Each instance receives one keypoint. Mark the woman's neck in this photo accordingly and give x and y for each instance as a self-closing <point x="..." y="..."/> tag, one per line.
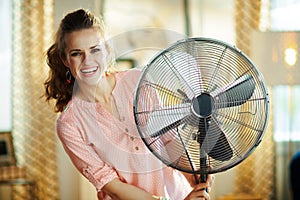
<point x="101" y="92"/>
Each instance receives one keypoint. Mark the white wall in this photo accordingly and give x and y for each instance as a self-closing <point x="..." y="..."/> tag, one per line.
<point x="6" y="65"/>
<point x="213" y="19"/>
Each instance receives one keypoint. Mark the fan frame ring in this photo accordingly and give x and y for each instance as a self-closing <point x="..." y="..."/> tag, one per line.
<point x="258" y="74"/>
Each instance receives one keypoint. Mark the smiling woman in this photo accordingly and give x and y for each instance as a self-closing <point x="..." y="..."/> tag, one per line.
<point x="80" y="57"/>
<point x="96" y="124"/>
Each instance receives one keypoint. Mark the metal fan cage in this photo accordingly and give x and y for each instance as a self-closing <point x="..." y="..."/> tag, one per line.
<point x="172" y="125"/>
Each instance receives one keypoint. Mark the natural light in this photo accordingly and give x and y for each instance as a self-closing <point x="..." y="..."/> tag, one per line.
<point x="286" y="98"/>
<point x="5" y="65"/>
<point x="283" y="15"/>
<point x="286" y="111"/>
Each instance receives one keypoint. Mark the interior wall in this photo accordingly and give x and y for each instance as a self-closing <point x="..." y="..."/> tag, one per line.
<point x="209" y="18"/>
<point x="213" y="19"/>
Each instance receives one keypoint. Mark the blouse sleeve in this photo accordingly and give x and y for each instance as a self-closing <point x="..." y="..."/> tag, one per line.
<point x="83" y="156"/>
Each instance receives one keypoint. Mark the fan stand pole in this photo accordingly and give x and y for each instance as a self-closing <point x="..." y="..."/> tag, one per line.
<point x="203" y="165"/>
<point x="203" y="162"/>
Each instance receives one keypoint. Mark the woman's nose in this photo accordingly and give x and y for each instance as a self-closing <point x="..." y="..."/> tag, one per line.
<point x="87" y="58"/>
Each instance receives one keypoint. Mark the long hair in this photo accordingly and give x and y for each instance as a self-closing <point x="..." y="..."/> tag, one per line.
<point x="56" y="86"/>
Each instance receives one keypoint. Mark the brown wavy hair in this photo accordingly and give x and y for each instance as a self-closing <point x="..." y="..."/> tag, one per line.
<point x="56" y="86"/>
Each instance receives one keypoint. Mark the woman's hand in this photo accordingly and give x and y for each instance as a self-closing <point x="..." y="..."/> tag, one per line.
<point x="201" y="190"/>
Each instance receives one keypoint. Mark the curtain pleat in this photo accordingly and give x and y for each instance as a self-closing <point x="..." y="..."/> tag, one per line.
<point x="255" y="175"/>
<point x="33" y="120"/>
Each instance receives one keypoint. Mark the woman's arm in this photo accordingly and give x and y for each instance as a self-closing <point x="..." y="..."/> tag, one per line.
<point x="123" y="191"/>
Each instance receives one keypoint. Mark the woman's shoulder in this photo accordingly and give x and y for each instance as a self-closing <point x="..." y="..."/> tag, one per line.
<point x="129" y="76"/>
<point x="73" y="114"/>
<point x="66" y="114"/>
<point x="73" y="107"/>
<point x="133" y="72"/>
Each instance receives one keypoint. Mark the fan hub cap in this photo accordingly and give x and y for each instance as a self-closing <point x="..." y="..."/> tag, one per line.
<point x="202" y="105"/>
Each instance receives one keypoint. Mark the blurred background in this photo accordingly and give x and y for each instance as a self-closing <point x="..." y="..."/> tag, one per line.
<point x="34" y="163"/>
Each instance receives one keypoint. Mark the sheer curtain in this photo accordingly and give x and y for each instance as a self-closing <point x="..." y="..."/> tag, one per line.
<point x="278" y="46"/>
<point x="286" y="133"/>
<point x="255" y="175"/>
<point x="33" y="121"/>
<point x="285" y="88"/>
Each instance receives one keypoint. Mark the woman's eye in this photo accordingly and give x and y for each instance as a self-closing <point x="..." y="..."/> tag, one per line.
<point x="74" y="54"/>
<point x="95" y="50"/>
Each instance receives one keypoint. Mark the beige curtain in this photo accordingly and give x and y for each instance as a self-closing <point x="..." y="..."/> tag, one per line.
<point x="33" y="120"/>
<point x="255" y="175"/>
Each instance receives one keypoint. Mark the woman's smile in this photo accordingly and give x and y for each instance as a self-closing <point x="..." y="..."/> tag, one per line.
<point x="89" y="71"/>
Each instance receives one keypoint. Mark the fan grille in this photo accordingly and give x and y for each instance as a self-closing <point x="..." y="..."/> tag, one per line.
<point x="201" y="106"/>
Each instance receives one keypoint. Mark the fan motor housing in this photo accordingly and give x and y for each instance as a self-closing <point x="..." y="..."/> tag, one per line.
<point x="202" y="105"/>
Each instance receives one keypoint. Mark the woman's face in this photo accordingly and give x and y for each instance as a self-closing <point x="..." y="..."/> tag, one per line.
<point x="86" y="55"/>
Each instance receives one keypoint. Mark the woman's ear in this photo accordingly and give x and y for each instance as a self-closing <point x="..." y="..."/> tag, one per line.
<point x="64" y="61"/>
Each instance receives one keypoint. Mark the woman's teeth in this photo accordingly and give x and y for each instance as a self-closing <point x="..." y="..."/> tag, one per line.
<point x="90" y="70"/>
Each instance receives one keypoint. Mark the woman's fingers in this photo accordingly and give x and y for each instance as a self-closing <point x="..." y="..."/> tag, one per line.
<point x="201" y="190"/>
<point x="210" y="181"/>
<point x="201" y="186"/>
<point x="199" y="193"/>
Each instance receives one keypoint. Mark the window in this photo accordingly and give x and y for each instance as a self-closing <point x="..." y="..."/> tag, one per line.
<point x="284" y="14"/>
<point x="286" y="112"/>
<point x="286" y="99"/>
<point x="5" y="64"/>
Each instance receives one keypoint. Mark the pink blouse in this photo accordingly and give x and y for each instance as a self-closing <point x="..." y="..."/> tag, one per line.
<point x="103" y="147"/>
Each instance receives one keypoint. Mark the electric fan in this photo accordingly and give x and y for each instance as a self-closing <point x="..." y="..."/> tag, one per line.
<point x="201" y="106"/>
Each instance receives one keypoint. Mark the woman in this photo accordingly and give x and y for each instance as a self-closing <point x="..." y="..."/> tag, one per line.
<point x="96" y="125"/>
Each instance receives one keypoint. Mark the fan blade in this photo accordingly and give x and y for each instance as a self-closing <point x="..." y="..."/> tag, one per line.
<point x="167" y="118"/>
<point x="188" y="72"/>
<point x="236" y="93"/>
<point x="214" y="142"/>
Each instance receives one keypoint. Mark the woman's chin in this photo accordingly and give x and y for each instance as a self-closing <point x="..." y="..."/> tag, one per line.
<point x="90" y="80"/>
